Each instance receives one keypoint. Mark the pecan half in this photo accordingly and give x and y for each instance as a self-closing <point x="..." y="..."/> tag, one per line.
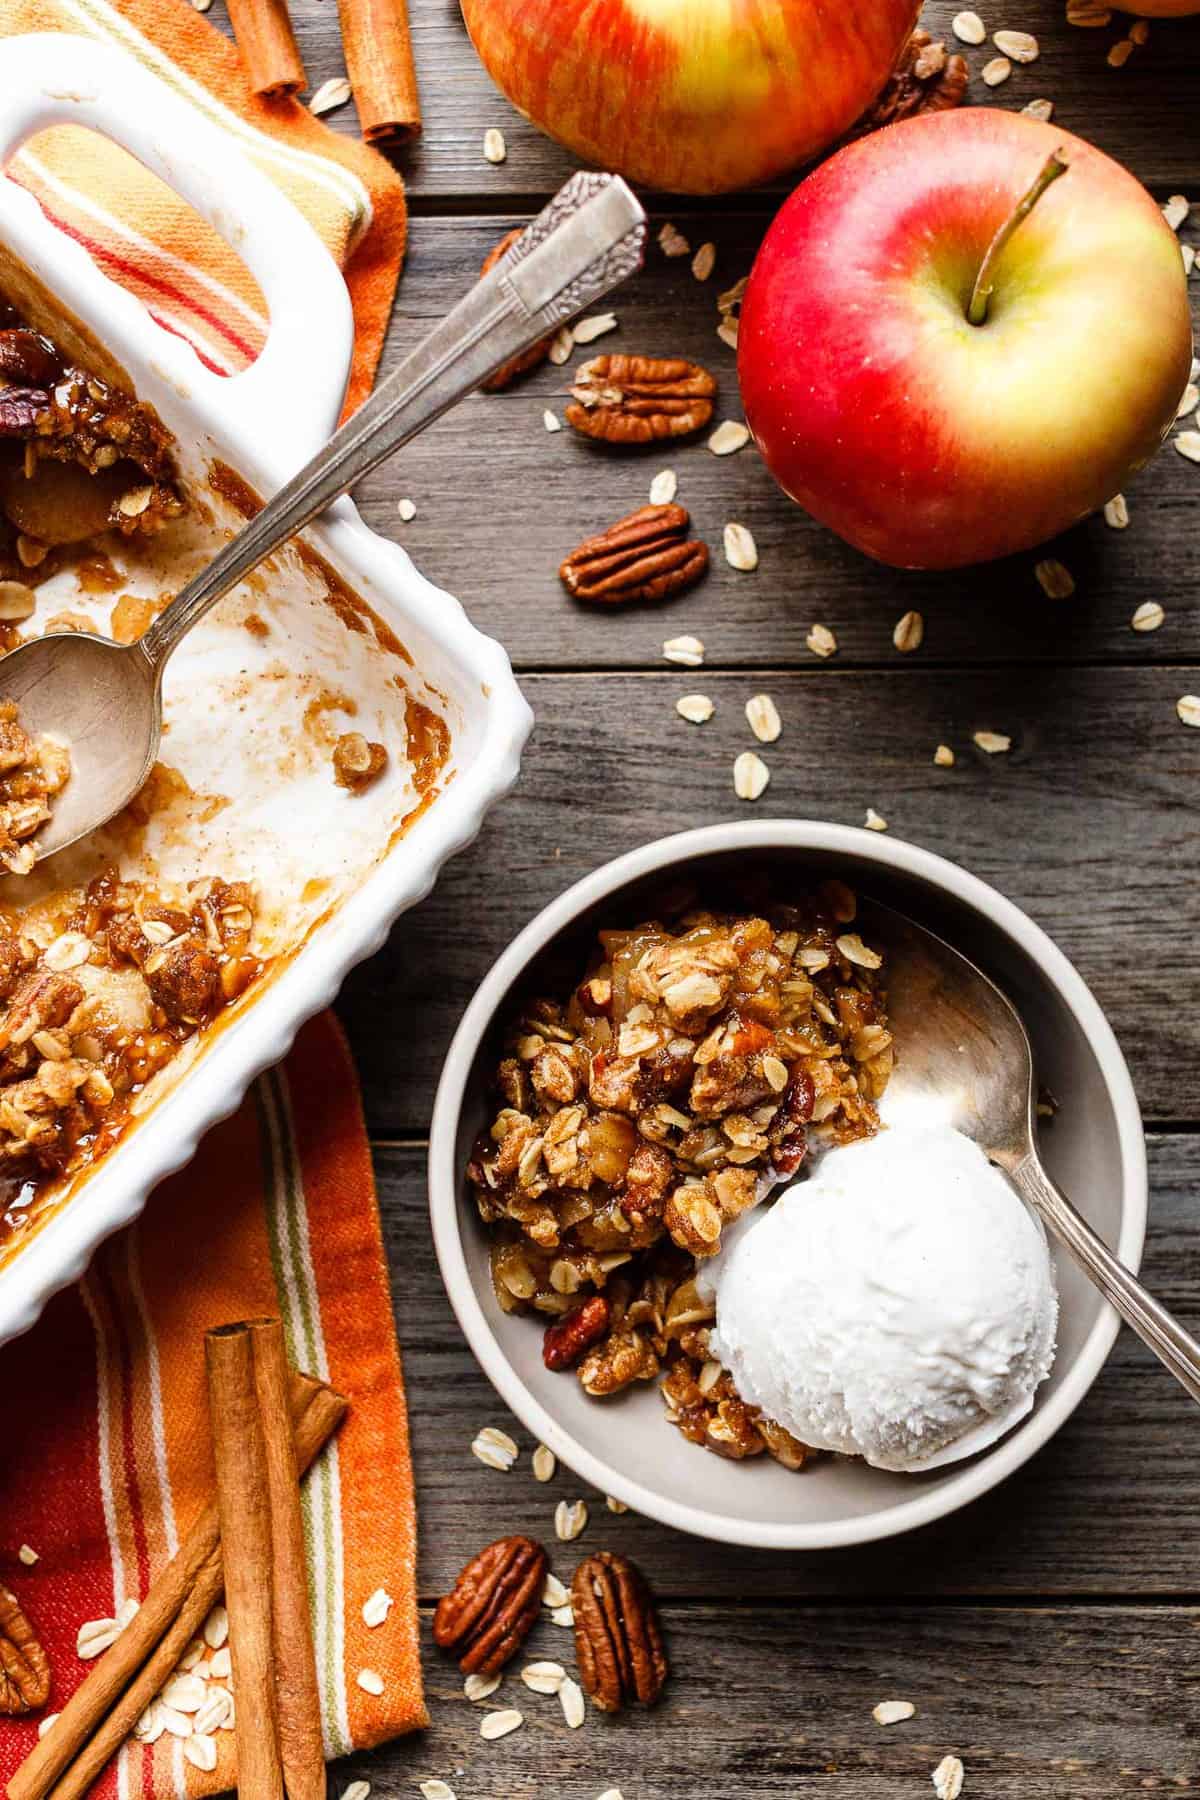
<point x="924" y="80"/>
<point x="27" y="357"/>
<point x="535" y="356"/>
<point x="618" y="1639"/>
<point x="20" y="410"/>
<point x="24" y="1666"/>
<point x="566" y="1340"/>
<point x="492" y="1607"/>
<point x="637" y="399"/>
<point x="645" y="556"/>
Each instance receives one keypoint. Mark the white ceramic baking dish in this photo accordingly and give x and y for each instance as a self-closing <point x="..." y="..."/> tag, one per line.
<point x="349" y="638"/>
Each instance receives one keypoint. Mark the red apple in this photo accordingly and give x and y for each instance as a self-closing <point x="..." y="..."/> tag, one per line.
<point x="696" y="96"/>
<point x="924" y="439"/>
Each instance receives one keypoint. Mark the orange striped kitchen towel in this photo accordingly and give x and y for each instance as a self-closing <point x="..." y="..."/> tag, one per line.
<point x="152" y="243"/>
<point x="106" y="1454"/>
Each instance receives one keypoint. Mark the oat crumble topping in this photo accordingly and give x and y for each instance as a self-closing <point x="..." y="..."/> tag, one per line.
<point x="32" y="771"/>
<point x="694" y="1064"/>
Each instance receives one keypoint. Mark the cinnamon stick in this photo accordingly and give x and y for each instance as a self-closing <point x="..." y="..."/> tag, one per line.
<point x="102" y="1712"/>
<point x="379" y="61"/>
<point x="264" y="36"/>
<point x="301" y="1747"/>
<point x="244" y="1503"/>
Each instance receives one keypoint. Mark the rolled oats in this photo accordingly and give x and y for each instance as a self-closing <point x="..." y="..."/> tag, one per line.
<point x="614" y="1505"/>
<point x="544" y="1461"/>
<point x="407" y="509"/>
<point x="495" y="1449"/>
<point x="1187" y="400"/>
<point x="664" y="488"/>
<point x="1116" y="513"/>
<point x="595" y="325"/>
<point x="202" y="1752"/>
<point x="909" y="633"/>
<point x="570" y="1519"/>
<point x="570" y="1696"/>
<point x="1054" y="578"/>
<point x="481" y="1687"/>
<point x="943" y="756"/>
<point x="947" y="1778"/>
<point x="1039" y="109"/>
<point x="437" y="1790"/>
<point x="1188" y="708"/>
<point x="893" y="1712"/>
<point x="494" y="147"/>
<point x="750" y="776"/>
<point x="357" y="1790"/>
<point x="95" y="1637"/>
<point x="562" y="345"/>
<point x="1021" y="46"/>
<point x="969" y="28"/>
<point x="730" y="436"/>
<point x="28" y="1556"/>
<point x="543" y="1677"/>
<point x="704" y="261"/>
<point x="996" y="71"/>
<point x="1175" y="211"/>
<point x="564" y="1616"/>
<point x="697" y="709"/>
<point x="687" y="651"/>
<point x="1148" y="617"/>
<point x="762" y="716"/>
<point x="551" y="421"/>
<point x="499" y="1724"/>
<point x="875" y="821"/>
<point x="821" y="641"/>
<point x="554" y="1594"/>
<point x="370" y="1681"/>
<point x="741" y="552"/>
<point x="992" y="743"/>
<point x="331" y="94"/>
<point x="376" y="1608"/>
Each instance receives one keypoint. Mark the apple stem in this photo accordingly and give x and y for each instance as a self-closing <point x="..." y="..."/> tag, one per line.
<point x="985" y="281"/>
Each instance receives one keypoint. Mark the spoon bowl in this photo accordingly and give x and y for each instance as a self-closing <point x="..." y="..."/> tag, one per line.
<point x="104" y="701"/>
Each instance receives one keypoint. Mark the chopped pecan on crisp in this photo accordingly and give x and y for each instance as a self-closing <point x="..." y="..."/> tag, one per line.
<point x="26" y="358"/>
<point x="645" y="556"/>
<point x="566" y="1340"/>
<point x="183" y="978"/>
<point x="618" y="1638"/>
<point x="525" y="360"/>
<point x="356" y="762"/>
<point x="493" y="1605"/>
<point x="20" y="410"/>
<point x="925" y="79"/>
<point x="637" y="399"/>
<point x="24" y="1665"/>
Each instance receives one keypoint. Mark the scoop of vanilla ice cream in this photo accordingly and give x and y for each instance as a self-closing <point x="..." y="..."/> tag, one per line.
<point x="899" y="1305"/>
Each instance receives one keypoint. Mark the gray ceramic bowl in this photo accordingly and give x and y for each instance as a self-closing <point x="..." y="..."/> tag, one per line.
<point x="1094" y="1147"/>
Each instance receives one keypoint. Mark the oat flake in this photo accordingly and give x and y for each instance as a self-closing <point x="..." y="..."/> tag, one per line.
<point x="376" y="1607"/>
<point x="762" y="716"/>
<point x="821" y="641"/>
<point x="543" y="1677"/>
<point x="570" y="1696"/>
<point x="995" y="743"/>
<point x="1188" y="708"/>
<point x="331" y="94"/>
<point x="406" y="509"/>
<point x="27" y="1556"/>
<point x="494" y="147"/>
<point x="551" y="421"/>
<point x="969" y="28"/>
<point x="1148" y="617"/>
<point x="851" y="946"/>
<point x="499" y="1724"/>
<point x="875" y="821"/>
<point x="561" y="346"/>
<point x="697" y="709"/>
<point x="909" y="634"/>
<point x="943" y="756"/>
<point x="727" y="331"/>
<point x="1040" y="109"/>
<point x="614" y="1505"/>
<point x="731" y="435"/>
<point x="544" y="1463"/>
<point x="201" y="1752"/>
<point x="596" y="325"/>
<point x="1021" y="46"/>
<point x="741" y="552"/>
<point x="1116" y="513"/>
<point x="1175" y="211"/>
<point x="570" y="1518"/>
<point x="664" y="487"/>
<point x="893" y="1712"/>
<point x="996" y="71"/>
<point x="704" y="261"/>
<point x="553" y="1592"/>
<point x="1188" y="444"/>
<point x="480" y="1687"/>
<point x="688" y="651"/>
<point x="563" y="1615"/>
<point x="947" y="1778"/>
<point x="1187" y="400"/>
<point x="370" y="1681"/>
<point x="437" y="1790"/>
<point x="750" y="776"/>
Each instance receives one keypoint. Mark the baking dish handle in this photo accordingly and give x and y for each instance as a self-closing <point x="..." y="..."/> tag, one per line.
<point x="49" y="78"/>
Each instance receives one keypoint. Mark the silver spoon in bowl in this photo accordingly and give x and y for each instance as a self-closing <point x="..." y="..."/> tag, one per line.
<point x="104" y="700"/>
<point x="966" y="1054"/>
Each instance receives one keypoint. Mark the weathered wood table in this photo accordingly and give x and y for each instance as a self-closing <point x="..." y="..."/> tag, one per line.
<point x="1050" y="1634"/>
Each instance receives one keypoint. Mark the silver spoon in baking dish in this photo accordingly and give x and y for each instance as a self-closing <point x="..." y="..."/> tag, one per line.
<point x="104" y="700"/>
<point x="967" y="1059"/>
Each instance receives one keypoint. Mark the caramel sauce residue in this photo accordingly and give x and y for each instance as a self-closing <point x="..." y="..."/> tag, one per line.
<point x="98" y="575"/>
<point x="428" y="744"/>
<point x="256" y="626"/>
<point x="131" y="616"/>
<point x="329" y="700"/>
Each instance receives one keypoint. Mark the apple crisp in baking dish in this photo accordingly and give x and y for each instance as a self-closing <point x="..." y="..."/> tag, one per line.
<point x="299" y="744"/>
